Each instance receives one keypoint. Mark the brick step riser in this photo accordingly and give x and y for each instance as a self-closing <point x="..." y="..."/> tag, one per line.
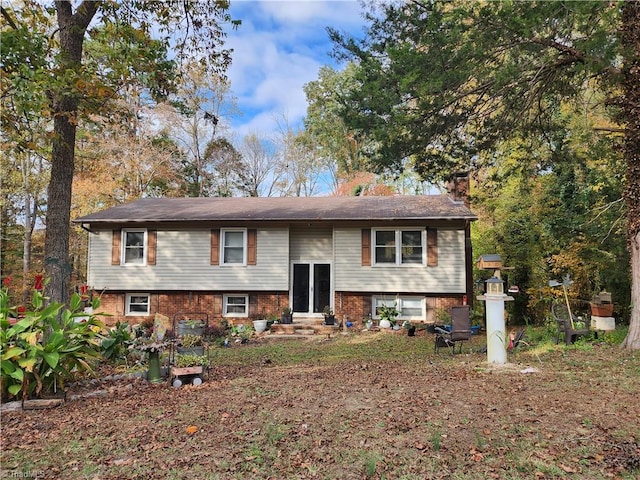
<point x="302" y="329"/>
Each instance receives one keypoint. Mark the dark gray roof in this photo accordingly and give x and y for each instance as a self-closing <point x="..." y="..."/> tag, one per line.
<point x="283" y="209"/>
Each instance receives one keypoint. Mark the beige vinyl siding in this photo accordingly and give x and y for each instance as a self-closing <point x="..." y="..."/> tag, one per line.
<point x="311" y="243"/>
<point x="183" y="263"/>
<point x="447" y="277"/>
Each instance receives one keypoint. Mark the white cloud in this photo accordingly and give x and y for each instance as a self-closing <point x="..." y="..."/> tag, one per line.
<point x="279" y="47"/>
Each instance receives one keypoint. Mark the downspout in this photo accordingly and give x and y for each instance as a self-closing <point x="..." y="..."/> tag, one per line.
<point x="87" y="229"/>
<point x="468" y="261"/>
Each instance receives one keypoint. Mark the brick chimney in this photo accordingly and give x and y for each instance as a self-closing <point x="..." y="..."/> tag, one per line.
<point x="458" y="187"/>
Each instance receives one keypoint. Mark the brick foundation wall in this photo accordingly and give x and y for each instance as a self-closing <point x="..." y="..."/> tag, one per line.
<point x="178" y="305"/>
<point x="356" y="306"/>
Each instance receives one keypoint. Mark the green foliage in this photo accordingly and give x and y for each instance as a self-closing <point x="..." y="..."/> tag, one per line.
<point x="443" y="316"/>
<point x="46" y="346"/>
<point x="324" y="126"/>
<point x="520" y="94"/>
<point x="190" y="360"/>
<point x="115" y="345"/>
<point x="188" y="341"/>
<point x="69" y="61"/>
<point x="388" y="312"/>
<point x="241" y="331"/>
<point x="443" y="81"/>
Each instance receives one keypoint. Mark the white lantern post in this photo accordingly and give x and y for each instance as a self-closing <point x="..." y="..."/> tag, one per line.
<point x="494" y="298"/>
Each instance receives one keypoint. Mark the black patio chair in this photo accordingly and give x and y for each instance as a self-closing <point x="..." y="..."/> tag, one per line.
<point x="569" y="326"/>
<point x="460" y="329"/>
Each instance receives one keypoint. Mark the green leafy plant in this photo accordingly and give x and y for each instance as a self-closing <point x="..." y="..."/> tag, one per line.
<point x="115" y="345"/>
<point x="443" y="316"/>
<point x="191" y="360"/>
<point x="188" y="341"/>
<point x="242" y="331"/>
<point x="46" y="346"/>
<point x="194" y="323"/>
<point x="390" y="313"/>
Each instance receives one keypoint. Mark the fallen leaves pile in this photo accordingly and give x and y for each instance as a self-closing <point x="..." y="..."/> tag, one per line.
<point x="449" y="418"/>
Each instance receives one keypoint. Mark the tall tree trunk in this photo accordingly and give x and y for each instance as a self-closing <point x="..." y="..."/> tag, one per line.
<point x="29" y="220"/>
<point x="64" y="103"/>
<point x="631" y="111"/>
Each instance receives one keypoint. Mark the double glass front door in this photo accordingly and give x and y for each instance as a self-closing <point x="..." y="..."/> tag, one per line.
<point x="311" y="287"/>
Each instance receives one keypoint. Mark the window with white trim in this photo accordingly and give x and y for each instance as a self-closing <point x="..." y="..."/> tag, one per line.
<point x="410" y="308"/>
<point x="234" y="247"/>
<point x="134" y="247"/>
<point x="137" y="304"/>
<point x="236" y="305"/>
<point x="398" y="247"/>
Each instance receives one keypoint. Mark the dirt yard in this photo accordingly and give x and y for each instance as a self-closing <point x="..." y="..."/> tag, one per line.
<point x="373" y="406"/>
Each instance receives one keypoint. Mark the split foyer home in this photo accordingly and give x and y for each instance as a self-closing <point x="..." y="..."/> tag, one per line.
<point x="246" y="258"/>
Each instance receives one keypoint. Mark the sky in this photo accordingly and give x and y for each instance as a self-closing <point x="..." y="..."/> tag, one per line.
<point x="279" y="47"/>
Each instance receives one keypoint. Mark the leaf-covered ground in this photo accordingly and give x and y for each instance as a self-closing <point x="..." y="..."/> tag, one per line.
<point x="378" y="406"/>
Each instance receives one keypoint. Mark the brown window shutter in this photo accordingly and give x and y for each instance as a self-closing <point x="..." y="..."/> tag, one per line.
<point x="366" y="247"/>
<point x="252" y="246"/>
<point x="215" y="246"/>
<point x="152" y="238"/>
<point x="432" y="247"/>
<point x="116" y="238"/>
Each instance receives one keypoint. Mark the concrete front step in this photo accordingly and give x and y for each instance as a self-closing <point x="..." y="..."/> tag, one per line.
<point x="306" y="326"/>
<point x="308" y="321"/>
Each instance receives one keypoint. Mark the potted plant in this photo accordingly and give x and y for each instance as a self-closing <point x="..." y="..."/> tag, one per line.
<point x="191" y="366"/>
<point x="190" y="344"/>
<point x="152" y="347"/>
<point x="329" y="317"/>
<point x="260" y="325"/>
<point x="387" y="316"/>
<point x="287" y="315"/>
<point x="191" y="327"/>
<point x="191" y="360"/>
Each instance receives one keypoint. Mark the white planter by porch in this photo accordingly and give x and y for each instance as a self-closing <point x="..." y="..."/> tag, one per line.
<point x="260" y="325"/>
<point x="385" y="324"/>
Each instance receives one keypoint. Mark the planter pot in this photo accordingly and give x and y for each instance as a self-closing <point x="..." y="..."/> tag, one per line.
<point x="195" y="370"/>
<point x="187" y="327"/>
<point x="369" y="324"/>
<point x="260" y="325"/>
<point x="396" y="327"/>
<point x="602" y="310"/>
<point x="154" y="375"/>
<point x="411" y="331"/>
<point x="385" y="324"/>
<point x="286" y="318"/>
<point x="191" y="350"/>
<point x="475" y="330"/>
<point x="329" y="319"/>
